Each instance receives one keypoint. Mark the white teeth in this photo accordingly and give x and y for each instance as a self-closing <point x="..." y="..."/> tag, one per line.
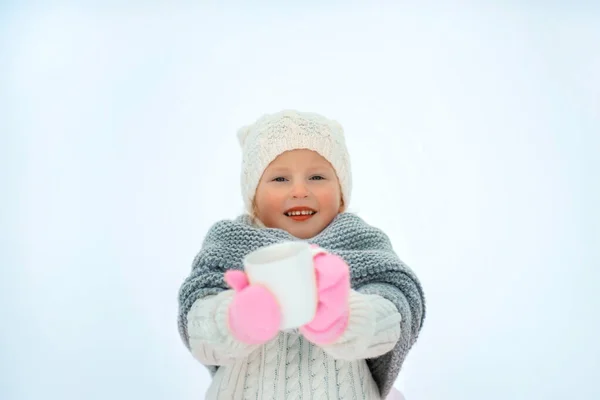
<point x="304" y="212"/>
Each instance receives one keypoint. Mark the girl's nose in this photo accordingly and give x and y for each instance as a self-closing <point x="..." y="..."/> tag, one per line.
<point x="299" y="191"/>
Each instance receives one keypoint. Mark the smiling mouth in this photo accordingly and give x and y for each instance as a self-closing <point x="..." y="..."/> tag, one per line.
<point x="300" y="213"/>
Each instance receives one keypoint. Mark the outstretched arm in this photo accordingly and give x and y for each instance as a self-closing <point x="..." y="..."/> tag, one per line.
<point x="230" y="325"/>
<point x="210" y="338"/>
<point x="373" y="328"/>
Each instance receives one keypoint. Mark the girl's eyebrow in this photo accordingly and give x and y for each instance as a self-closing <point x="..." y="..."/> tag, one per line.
<point x="278" y="170"/>
<point x="318" y="167"/>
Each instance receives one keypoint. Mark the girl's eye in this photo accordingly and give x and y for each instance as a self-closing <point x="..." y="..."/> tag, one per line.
<point x="279" y="179"/>
<point x="317" y="177"/>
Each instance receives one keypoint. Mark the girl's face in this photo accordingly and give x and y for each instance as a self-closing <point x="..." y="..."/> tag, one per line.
<point x="298" y="192"/>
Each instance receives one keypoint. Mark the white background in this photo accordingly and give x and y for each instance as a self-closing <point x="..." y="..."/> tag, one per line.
<point x="475" y="139"/>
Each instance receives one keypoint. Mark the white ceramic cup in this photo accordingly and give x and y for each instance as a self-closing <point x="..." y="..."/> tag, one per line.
<point x="287" y="270"/>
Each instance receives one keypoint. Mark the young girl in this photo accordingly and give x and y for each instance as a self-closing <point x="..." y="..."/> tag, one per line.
<point x="296" y="184"/>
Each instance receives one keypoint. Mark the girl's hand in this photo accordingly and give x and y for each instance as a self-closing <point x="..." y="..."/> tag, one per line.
<point x="254" y="315"/>
<point x="333" y="285"/>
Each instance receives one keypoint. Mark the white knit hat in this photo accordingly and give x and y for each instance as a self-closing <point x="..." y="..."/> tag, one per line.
<point x="273" y="134"/>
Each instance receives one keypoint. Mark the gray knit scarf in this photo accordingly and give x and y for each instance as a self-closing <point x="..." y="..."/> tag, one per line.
<point x="375" y="269"/>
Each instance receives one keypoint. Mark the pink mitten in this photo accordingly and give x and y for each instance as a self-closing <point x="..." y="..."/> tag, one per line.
<point x="254" y="315"/>
<point x="333" y="285"/>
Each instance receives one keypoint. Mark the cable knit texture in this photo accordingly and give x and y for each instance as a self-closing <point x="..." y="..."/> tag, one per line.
<point x="273" y="134"/>
<point x="291" y="367"/>
<point x="371" y="350"/>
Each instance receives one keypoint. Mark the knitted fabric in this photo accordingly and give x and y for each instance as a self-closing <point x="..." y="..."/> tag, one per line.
<point x="374" y="266"/>
<point x="289" y="366"/>
<point x="273" y="134"/>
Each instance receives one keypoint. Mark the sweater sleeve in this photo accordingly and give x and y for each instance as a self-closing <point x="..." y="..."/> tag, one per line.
<point x="210" y="340"/>
<point x="373" y="328"/>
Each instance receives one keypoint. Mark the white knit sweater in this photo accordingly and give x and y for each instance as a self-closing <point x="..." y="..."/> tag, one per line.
<point x="289" y="366"/>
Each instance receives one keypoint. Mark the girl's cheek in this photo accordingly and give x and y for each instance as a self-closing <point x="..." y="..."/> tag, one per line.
<point x="328" y="196"/>
<point x="274" y="199"/>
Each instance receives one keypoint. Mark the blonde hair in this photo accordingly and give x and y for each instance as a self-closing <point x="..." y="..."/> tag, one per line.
<point x="254" y="213"/>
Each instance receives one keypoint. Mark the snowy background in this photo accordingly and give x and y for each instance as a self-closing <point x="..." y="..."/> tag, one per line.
<point x="475" y="140"/>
